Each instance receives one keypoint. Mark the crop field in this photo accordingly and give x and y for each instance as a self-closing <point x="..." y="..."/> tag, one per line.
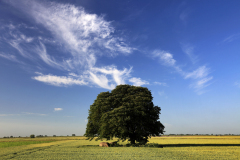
<point x="184" y="147"/>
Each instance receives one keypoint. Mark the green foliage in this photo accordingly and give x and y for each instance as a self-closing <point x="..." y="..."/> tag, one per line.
<point x="127" y="113"/>
<point x="32" y="136"/>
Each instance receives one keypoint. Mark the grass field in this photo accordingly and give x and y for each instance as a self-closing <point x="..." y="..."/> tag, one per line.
<point x="185" y="147"/>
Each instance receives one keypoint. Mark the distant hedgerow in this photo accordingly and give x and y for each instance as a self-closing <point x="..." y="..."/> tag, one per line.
<point x="32" y="136"/>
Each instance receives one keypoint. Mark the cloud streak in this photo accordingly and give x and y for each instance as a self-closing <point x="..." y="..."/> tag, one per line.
<point x="59" y="80"/>
<point x="232" y="38"/>
<point x="58" y="109"/>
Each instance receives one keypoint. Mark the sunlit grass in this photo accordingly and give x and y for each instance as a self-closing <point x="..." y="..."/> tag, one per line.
<point x="11" y="144"/>
<point x="79" y="148"/>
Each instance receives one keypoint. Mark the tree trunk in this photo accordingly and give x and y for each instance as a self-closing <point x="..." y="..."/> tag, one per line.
<point x="132" y="141"/>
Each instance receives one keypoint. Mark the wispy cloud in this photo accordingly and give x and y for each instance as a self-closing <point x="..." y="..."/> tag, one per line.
<point x="118" y="76"/>
<point x="201" y="72"/>
<point x="161" y="93"/>
<point x="138" y="81"/>
<point x="41" y="51"/>
<point x="189" y="51"/>
<point x="38" y="114"/>
<point x="101" y="80"/>
<point x="58" y="109"/>
<point x="237" y="84"/>
<point x="59" y="80"/>
<point x="80" y="32"/>
<point x="200" y="75"/>
<point x="160" y="83"/>
<point x="9" y="57"/>
<point x="165" y="57"/>
<point x="232" y="38"/>
<point x="184" y="15"/>
<point x="82" y="37"/>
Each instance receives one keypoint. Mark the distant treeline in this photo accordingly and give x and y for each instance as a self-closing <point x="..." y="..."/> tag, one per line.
<point x="201" y="134"/>
<point x="33" y="136"/>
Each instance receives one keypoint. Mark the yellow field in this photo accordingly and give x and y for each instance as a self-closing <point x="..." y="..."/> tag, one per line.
<point x="79" y="148"/>
<point x="196" y="140"/>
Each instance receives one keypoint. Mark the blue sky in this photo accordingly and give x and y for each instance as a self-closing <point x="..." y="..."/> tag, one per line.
<point x="57" y="56"/>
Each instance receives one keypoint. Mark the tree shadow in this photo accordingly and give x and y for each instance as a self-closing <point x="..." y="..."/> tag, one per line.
<point x="197" y="145"/>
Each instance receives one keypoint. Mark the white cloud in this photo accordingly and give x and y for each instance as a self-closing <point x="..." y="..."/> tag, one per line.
<point x="138" y="81"/>
<point x="165" y="57"/>
<point x="58" y="109"/>
<point x="106" y="77"/>
<point x="117" y="75"/>
<point x="78" y="30"/>
<point x="201" y="72"/>
<point x="59" y="80"/>
<point x="101" y="80"/>
<point x="82" y="37"/>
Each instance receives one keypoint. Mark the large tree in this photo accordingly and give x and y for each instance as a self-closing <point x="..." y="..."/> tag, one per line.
<point x="127" y="113"/>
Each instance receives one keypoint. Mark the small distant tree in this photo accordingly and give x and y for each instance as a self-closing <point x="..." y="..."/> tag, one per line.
<point x="73" y="135"/>
<point x="54" y="135"/>
<point x="127" y="113"/>
<point x="32" y="136"/>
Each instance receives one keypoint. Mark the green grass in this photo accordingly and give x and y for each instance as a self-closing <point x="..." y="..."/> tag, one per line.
<point x="79" y="148"/>
<point x="11" y="144"/>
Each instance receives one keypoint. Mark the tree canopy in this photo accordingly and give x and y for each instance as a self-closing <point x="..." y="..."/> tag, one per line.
<point x="127" y="113"/>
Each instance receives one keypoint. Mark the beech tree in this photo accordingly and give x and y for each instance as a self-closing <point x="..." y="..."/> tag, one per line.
<point x="127" y="113"/>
